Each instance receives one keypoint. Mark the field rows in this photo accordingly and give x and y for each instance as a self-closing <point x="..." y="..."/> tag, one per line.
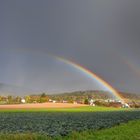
<point x="62" y="123"/>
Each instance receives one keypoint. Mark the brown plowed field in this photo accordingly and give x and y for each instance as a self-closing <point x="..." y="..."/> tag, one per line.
<point x="40" y="105"/>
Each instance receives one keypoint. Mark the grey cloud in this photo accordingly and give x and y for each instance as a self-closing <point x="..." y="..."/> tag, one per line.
<point x="95" y="34"/>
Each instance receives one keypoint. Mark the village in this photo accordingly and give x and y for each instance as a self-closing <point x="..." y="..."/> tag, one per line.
<point x="43" y="98"/>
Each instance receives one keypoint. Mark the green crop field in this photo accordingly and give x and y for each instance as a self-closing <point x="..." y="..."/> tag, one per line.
<point x="128" y="131"/>
<point x="64" y="123"/>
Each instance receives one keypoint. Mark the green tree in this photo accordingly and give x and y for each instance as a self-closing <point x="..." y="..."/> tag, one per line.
<point x="0" y="98"/>
<point x="43" y="95"/>
<point x="10" y="99"/>
<point x="18" y="99"/>
<point x="86" y="101"/>
<point x="27" y="99"/>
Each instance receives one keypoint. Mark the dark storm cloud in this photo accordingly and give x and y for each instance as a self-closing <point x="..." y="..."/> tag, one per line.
<point x="95" y="34"/>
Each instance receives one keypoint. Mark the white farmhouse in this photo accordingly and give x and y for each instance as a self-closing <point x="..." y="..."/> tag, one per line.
<point x="125" y="105"/>
<point x="91" y="102"/>
<point x="23" y="101"/>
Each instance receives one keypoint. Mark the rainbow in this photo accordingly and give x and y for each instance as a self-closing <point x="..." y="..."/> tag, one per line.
<point x="91" y="75"/>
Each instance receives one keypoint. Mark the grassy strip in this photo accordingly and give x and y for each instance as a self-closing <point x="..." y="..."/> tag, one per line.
<point x="129" y="131"/>
<point x="77" y="109"/>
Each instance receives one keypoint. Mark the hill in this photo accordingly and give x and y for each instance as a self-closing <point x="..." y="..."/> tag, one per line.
<point x="97" y="94"/>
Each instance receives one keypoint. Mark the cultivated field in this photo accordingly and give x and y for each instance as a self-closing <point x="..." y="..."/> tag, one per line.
<point x="56" y="107"/>
<point x="41" y="106"/>
<point x="126" y="131"/>
<point x="60" y="121"/>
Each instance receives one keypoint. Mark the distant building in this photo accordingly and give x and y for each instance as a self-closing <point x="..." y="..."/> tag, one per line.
<point x="64" y="101"/>
<point x="50" y="100"/>
<point x="23" y="101"/>
<point x="110" y="100"/>
<point x="91" y="102"/>
<point x="74" y="102"/>
<point x="54" y="101"/>
<point x="125" y="105"/>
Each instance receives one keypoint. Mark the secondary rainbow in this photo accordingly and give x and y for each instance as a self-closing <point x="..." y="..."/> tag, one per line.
<point x="92" y="75"/>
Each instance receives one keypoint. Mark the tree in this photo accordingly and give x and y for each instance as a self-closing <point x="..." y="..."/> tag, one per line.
<point x="10" y="99"/>
<point x="44" y="99"/>
<point x="27" y="99"/>
<point x="43" y="95"/>
<point x="0" y="98"/>
<point x="86" y="101"/>
<point x="18" y="99"/>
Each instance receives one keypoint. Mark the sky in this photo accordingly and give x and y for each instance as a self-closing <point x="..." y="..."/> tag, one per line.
<point x="101" y="35"/>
